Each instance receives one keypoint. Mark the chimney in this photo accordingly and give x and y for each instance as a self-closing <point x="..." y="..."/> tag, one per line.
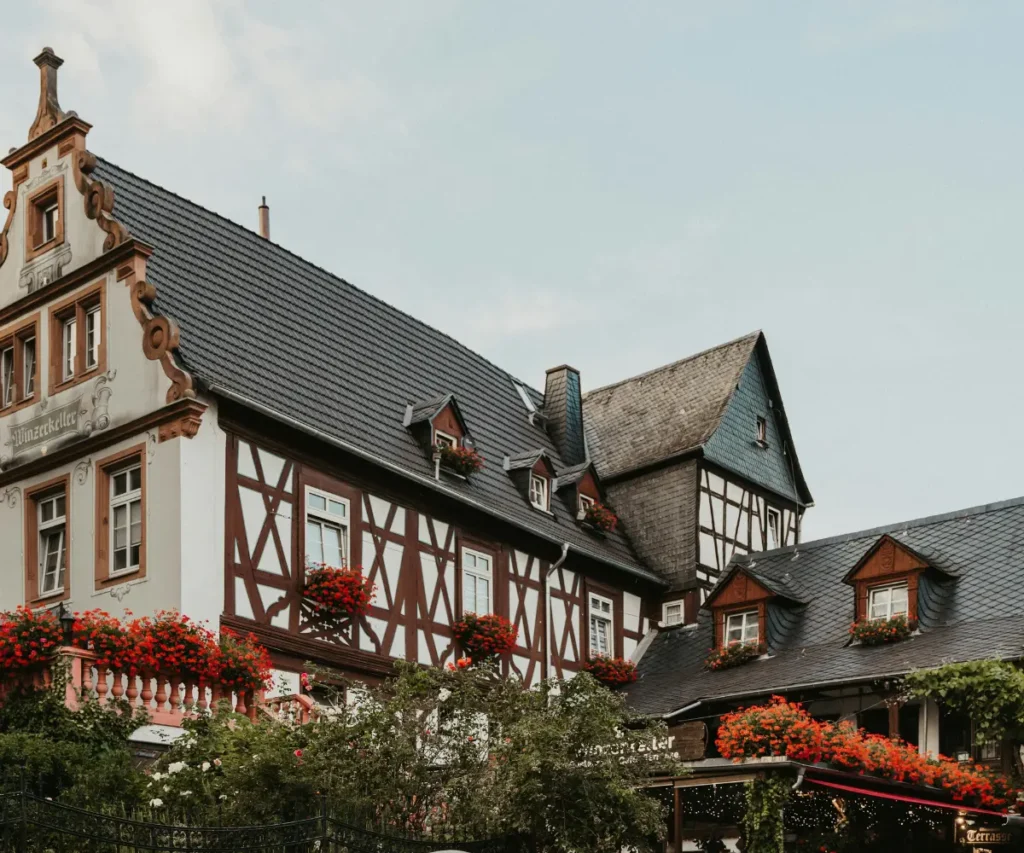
<point x="49" y="114"/>
<point x="264" y="220"/>
<point x="563" y="408"/>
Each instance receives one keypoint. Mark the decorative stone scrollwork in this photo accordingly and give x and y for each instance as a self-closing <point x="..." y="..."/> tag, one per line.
<point x="99" y="200"/>
<point x="82" y="471"/>
<point x="11" y="496"/>
<point x="10" y="202"/>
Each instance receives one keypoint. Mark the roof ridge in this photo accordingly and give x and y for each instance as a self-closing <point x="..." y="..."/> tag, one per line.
<point x="755" y="334"/>
<point x="924" y="521"/>
<point x="267" y="241"/>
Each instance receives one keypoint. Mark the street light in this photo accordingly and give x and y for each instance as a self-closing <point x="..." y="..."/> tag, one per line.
<point x="67" y="624"/>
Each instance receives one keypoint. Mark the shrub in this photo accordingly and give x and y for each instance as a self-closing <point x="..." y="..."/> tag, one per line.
<point x="485" y="636"/>
<point x="734" y="654"/>
<point x="875" y="632"/>
<point x="28" y="639"/>
<point x="338" y="593"/>
<point x="611" y="671"/>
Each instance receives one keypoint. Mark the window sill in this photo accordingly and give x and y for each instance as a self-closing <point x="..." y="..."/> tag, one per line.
<point x="545" y="511"/>
<point x="762" y="444"/>
<point x="65" y="384"/>
<point x="17" y="407"/>
<point x="57" y="594"/>
<point x="33" y="252"/>
<point x="118" y="579"/>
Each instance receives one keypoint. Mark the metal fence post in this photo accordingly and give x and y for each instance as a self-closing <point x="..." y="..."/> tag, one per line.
<point x="23" y="822"/>
<point x="324" y="848"/>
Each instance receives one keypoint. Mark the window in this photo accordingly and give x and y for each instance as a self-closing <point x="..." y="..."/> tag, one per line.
<point x="442" y="439"/>
<point x="585" y="501"/>
<point x="52" y="526"/>
<point x="121" y="517"/>
<point x="525" y="396"/>
<point x="762" y="430"/>
<point x="327" y="529"/>
<point x="45" y="219"/>
<point x="476" y="582"/>
<point x="18" y="367"/>
<point x="601" y="625"/>
<point x="77" y="324"/>
<point x="672" y="613"/>
<point x="887" y="601"/>
<point x="774" y="527"/>
<point x="126" y="518"/>
<point x="539" y="491"/>
<point x="742" y="628"/>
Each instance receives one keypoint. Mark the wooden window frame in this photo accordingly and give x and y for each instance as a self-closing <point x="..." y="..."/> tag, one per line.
<point x="773" y="531"/>
<point x="681" y="604"/>
<point x="104" y="577"/>
<point x="545" y="485"/>
<point x="878" y="587"/>
<point x="325" y="516"/>
<point x="742" y="613"/>
<point x="464" y="570"/>
<point x="33" y="598"/>
<point x="34" y="218"/>
<point x="16" y="336"/>
<point x="441" y="437"/>
<point x="722" y="614"/>
<point x="77" y="307"/>
<point x="591" y="595"/>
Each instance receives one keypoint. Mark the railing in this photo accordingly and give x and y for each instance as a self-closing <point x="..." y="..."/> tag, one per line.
<point x="167" y="700"/>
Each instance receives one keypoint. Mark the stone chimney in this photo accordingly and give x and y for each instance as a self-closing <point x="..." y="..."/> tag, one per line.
<point x="264" y="220"/>
<point x="563" y="409"/>
<point x="49" y="114"/>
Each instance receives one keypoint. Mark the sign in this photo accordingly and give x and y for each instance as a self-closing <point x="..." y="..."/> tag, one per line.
<point x="981" y="838"/>
<point x="49" y="427"/>
<point x="688" y="740"/>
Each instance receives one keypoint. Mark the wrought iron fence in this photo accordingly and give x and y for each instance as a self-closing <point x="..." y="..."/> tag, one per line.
<point x="33" y="824"/>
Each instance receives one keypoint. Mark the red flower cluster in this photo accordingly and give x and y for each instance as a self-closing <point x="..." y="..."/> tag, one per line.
<point x="875" y="632"/>
<point x="461" y="460"/>
<point x="105" y="635"/>
<point x="611" y="671"/>
<point x="599" y="516"/>
<point x="171" y="644"/>
<point x="461" y="663"/>
<point x="27" y="638"/>
<point x="733" y="655"/>
<point x="484" y="636"/>
<point x="338" y="593"/>
<point x="783" y="728"/>
<point x="240" y="663"/>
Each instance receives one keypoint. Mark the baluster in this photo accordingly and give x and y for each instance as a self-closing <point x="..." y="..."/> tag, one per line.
<point x="202" y="704"/>
<point x="175" y="696"/>
<point x="240" y="703"/>
<point x="188" y="705"/>
<point x="133" y="688"/>
<point x="161" y="693"/>
<point x="101" y="684"/>
<point x="147" y="690"/>
<point x="87" y="684"/>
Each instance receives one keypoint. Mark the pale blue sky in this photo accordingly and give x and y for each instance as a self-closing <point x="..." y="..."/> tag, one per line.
<point x="618" y="185"/>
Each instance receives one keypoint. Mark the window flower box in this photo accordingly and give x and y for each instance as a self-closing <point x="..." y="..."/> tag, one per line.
<point x="612" y="672"/>
<point x="734" y="654"/>
<point x="460" y="460"/>
<point x="486" y="636"/>
<point x="876" y="632"/>
<point x="240" y="663"/>
<point x="28" y="639"/>
<point x="338" y="593"/>
<point x="599" y="517"/>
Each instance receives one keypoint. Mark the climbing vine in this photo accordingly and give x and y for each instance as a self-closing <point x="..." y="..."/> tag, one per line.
<point x="763" y="821"/>
<point x="990" y="692"/>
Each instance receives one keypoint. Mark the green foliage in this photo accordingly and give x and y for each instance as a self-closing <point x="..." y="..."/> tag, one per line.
<point x="763" y="830"/>
<point x="990" y="692"/>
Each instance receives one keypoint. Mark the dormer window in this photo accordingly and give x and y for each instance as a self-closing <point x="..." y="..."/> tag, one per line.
<point x="539" y="491"/>
<point x="742" y="628"/>
<point x="672" y="613"/>
<point x="884" y="602"/>
<point x="762" y="431"/>
<point x="585" y="501"/>
<point x="442" y="439"/>
<point x="45" y="219"/>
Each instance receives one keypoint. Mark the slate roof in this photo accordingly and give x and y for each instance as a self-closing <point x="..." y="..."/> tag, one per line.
<point x="427" y="409"/>
<point x="679" y="408"/>
<point x="261" y="325"/>
<point x="975" y="614"/>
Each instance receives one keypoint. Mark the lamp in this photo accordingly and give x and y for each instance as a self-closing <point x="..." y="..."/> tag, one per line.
<point x="67" y="624"/>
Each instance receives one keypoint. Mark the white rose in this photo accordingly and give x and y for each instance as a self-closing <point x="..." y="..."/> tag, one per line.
<point x="156" y="803"/>
<point x="206" y="766"/>
<point x="176" y="767"/>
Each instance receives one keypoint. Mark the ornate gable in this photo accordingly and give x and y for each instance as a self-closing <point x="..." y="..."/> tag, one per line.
<point x="736" y="594"/>
<point x="885" y="563"/>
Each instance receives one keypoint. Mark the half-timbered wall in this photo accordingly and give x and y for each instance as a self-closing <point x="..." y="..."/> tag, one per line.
<point x="414" y="560"/>
<point x="735" y="519"/>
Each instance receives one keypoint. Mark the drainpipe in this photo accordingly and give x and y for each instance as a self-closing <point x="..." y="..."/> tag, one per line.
<point x="555" y="566"/>
<point x="799" y="779"/>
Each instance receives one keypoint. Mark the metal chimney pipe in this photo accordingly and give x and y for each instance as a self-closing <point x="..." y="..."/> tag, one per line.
<point x="264" y="220"/>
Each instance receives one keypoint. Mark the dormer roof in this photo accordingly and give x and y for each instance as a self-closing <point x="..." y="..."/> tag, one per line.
<point x="781" y="588"/>
<point x="527" y="459"/>
<point x="426" y="410"/>
<point x="901" y="558"/>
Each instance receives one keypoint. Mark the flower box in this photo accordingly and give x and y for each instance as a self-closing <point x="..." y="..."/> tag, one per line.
<point x="876" y="632"/>
<point x="599" y="517"/>
<point x="338" y="593"/>
<point x="485" y="636"/>
<point x="240" y="663"/>
<point x="28" y="639"/>
<point x="460" y="460"/>
<point x="732" y="655"/>
<point x="613" y="672"/>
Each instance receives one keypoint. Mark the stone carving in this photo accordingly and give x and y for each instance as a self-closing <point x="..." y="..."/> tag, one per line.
<point x="11" y="496"/>
<point x="82" y="471"/>
<point x="48" y="268"/>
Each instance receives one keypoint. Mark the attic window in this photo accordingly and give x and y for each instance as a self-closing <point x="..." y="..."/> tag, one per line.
<point x="45" y="219"/>
<point x="672" y="613"/>
<point x="442" y="439"/>
<point x="539" y="491"/>
<point x="884" y="602"/>
<point x="585" y="501"/>
<point x="774" y="528"/>
<point x="742" y="627"/>
<point x="527" y="401"/>
<point x="762" y="431"/>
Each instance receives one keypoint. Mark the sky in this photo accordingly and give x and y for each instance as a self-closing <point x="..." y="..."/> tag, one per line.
<point x="619" y="185"/>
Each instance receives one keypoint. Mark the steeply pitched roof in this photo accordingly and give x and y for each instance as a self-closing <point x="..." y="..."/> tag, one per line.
<point x="682" y="407"/>
<point x="264" y="326"/>
<point x="969" y="610"/>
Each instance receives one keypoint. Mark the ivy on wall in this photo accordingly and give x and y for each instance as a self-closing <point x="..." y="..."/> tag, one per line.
<point x="763" y="830"/>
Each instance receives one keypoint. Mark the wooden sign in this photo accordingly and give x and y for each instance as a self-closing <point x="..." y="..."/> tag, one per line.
<point x="688" y="740"/>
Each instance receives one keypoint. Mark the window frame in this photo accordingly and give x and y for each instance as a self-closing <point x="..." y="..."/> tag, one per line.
<point x="105" y="575"/>
<point x="608" y="617"/>
<point x="326" y="516"/>
<point x="127" y="499"/>
<point x="45" y="529"/>
<point x="761" y="430"/>
<point x="17" y="337"/>
<point x="545" y="488"/>
<point x="773" y="532"/>
<point x="38" y="202"/>
<point x="76" y="310"/>
<point x="34" y="495"/>
<point x="664" y="613"/>
<point x="442" y="437"/>
<point x="583" y="501"/>
<point x="743" y="615"/>
<point x="478" y="574"/>
<point x="886" y="587"/>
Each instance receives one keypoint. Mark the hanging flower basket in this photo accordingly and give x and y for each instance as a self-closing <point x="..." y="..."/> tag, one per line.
<point x="613" y="672"/>
<point x="485" y="636"/>
<point x="460" y="460"/>
<point x="600" y="517"/>
<point x="106" y="636"/>
<point x="734" y="654"/>
<point x="28" y="639"/>
<point x="338" y="593"/>
<point x="240" y="663"/>
<point x="876" y="632"/>
<point x="172" y="645"/>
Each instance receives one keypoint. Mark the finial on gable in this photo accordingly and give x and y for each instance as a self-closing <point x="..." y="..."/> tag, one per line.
<point x="49" y="113"/>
